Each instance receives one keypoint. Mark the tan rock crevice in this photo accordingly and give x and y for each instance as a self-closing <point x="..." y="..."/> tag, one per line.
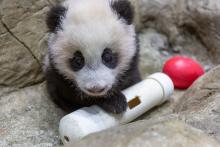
<point x="21" y="42"/>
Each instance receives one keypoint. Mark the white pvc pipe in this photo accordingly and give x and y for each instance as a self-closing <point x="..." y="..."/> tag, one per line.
<point x="141" y="97"/>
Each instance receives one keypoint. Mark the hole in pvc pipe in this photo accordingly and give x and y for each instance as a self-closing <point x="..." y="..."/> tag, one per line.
<point x="134" y="102"/>
<point x="66" y="139"/>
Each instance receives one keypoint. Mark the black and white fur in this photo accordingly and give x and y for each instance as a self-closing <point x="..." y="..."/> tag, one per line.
<point x="93" y="54"/>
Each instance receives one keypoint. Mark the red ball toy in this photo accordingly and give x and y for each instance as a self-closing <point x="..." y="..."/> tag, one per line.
<point x="183" y="71"/>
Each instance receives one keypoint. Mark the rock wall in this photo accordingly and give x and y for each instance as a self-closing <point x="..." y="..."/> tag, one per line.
<point x="200" y="104"/>
<point x="23" y="36"/>
<point x="175" y="18"/>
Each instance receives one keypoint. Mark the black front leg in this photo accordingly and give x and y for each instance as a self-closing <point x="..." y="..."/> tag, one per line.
<point x="114" y="103"/>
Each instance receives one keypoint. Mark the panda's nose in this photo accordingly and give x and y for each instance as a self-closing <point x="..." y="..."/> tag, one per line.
<point x="96" y="89"/>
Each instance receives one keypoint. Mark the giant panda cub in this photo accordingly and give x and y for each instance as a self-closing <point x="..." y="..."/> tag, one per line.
<point x="92" y="55"/>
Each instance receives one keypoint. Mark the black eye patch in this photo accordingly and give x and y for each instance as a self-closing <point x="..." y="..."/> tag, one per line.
<point x="77" y="62"/>
<point x="109" y="58"/>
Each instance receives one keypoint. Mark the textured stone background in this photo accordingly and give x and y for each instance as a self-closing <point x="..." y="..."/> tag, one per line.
<point x="165" y="28"/>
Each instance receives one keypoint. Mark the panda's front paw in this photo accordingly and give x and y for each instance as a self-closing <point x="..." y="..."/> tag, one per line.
<point x="116" y="103"/>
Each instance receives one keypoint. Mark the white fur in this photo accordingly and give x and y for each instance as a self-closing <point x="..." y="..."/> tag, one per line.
<point x="91" y="26"/>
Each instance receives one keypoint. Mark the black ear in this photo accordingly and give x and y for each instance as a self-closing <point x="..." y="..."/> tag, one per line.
<point x="54" y="17"/>
<point x="124" y="9"/>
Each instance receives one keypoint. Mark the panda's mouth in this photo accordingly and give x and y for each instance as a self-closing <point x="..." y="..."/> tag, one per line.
<point x="96" y="92"/>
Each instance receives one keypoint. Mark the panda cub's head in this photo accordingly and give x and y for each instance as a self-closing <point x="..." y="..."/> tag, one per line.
<point x="92" y="42"/>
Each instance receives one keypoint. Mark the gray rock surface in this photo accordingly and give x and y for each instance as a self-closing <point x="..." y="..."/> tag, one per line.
<point x="166" y="132"/>
<point x="28" y="118"/>
<point x="137" y="21"/>
<point x="180" y="18"/>
<point x="151" y="45"/>
<point x="200" y="105"/>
